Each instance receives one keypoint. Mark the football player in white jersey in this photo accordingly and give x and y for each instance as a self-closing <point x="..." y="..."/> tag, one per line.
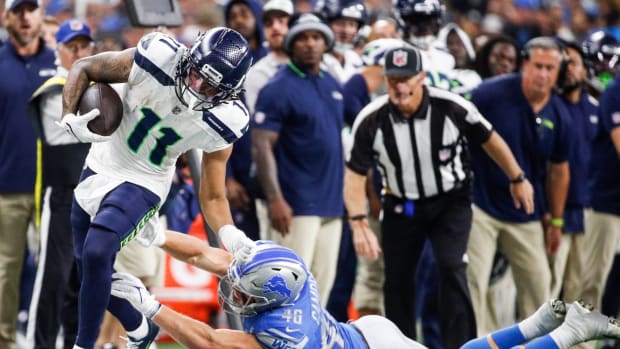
<point x="345" y="20"/>
<point x="420" y="20"/>
<point x="177" y="98"/>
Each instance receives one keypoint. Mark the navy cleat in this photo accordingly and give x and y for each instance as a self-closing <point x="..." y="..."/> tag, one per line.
<point x="146" y="341"/>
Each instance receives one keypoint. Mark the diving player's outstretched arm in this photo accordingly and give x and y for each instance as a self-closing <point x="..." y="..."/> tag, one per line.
<point x="186" y="331"/>
<point x="108" y="67"/>
<point x="196" y="252"/>
<point x="195" y="334"/>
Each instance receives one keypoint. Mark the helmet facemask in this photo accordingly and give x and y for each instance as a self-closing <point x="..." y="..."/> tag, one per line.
<point x="422" y="30"/>
<point x="233" y="299"/>
<point x="197" y="99"/>
<point x="213" y="70"/>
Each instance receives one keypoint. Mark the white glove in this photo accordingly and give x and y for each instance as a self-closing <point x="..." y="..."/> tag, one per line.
<point x="235" y="241"/>
<point x="130" y="288"/>
<point x="77" y="126"/>
<point x="152" y="236"/>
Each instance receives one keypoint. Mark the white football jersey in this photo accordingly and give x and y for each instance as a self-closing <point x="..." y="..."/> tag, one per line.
<point x="156" y="127"/>
<point x="438" y="65"/>
<point x="342" y="73"/>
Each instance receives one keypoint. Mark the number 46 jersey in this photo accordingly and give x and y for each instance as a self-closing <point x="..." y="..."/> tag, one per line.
<point x="304" y="324"/>
<point x="156" y="127"/>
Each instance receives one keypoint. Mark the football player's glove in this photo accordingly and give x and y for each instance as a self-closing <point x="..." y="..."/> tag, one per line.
<point x="77" y="126"/>
<point x="130" y="288"/>
<point x="237" y="243"/>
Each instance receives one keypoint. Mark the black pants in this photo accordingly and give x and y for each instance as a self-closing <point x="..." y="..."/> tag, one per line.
<point x="611" y="301"/>
<point x="446" y="221"/>
<point x="57" y="283"/>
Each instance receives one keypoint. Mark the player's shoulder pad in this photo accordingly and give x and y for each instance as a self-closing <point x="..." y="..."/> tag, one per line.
<point x="156" y="53"/>
<point x="231" y="120"/>
<point x="52" y="84"/>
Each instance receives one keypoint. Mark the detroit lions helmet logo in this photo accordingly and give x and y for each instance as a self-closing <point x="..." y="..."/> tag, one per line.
<point x="276" y="284"/>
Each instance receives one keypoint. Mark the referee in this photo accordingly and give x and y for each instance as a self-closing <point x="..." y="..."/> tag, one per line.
<point x="419" y="137"/>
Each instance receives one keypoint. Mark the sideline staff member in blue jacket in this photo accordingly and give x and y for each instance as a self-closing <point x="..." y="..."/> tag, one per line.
<point x="534" y="122"/>
<point x="298" y="150"/>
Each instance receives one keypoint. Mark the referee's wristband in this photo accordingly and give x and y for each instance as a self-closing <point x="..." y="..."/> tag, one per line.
<point x="357" y="217"/>
<point x="557" y="222"/>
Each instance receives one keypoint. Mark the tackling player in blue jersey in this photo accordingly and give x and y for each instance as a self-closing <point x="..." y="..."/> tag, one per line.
<point x="177" y="99"/>
<point x="271" y="288"/>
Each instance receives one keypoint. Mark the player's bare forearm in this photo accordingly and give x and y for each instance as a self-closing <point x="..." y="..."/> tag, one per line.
<point x="213" y="200"/>
<point x="354" y="192"/>
<point x="557" y="184"/>
<point x="194" y="334"/>
<point x="196" y="252"/>
<point x="108" y="67"/>
<point x="263" y="142"/>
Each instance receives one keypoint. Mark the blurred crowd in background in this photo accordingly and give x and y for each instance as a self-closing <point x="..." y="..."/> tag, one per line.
<point x="463" y="29"/>
<point x="521" y="19"/>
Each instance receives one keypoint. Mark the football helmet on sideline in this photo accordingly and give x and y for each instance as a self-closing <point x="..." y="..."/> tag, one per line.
<point x="420" y="20"/>
<point x="602" y="53"/>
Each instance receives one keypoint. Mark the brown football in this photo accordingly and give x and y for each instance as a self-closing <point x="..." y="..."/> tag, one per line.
<point x="103" y="97"/>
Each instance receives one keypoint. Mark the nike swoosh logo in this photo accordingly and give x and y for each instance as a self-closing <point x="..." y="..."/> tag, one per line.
<point x="289" y="330"/>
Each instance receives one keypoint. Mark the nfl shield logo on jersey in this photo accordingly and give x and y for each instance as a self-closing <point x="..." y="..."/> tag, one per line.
<point x="400" y="58"/>
<point x="445" y="155"/>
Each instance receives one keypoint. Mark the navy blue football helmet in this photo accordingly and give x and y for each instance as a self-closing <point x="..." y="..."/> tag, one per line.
<point x="273" y="277"/>
<point x="334" y="9"/>
<point x="602" y="53"/>
<point x="420" y="20"/>
<point x="221" y="57"/>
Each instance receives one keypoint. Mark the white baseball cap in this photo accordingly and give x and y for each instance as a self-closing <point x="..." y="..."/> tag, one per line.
<point x="285" y="6"/>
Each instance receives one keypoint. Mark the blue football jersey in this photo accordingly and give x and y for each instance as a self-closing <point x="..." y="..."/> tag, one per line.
<point x="304" y="324"/>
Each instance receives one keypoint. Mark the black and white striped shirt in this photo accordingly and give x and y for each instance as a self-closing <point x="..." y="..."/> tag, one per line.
<point x="424" y="155"/>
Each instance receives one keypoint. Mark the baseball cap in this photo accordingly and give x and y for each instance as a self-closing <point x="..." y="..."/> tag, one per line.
<point x="285" y="6"/>
<point x="10" y="5"/>
<point x="403" y="61"/>
<point x="71" y="28"/>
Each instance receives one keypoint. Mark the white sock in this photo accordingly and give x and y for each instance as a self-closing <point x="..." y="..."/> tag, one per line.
<point x="141" y="331"/>
<point x="549" y="316"/>
<point x="75" y="346"/>
<point x="566" y="337"/>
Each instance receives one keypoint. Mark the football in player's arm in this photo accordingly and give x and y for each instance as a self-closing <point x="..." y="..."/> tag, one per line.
<point x="114" y="67"/>
<point x="178" y="98"/>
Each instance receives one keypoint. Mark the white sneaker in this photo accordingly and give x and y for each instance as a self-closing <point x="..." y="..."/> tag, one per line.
<point x="588" y="324"/>
<point x="613" y="328"/>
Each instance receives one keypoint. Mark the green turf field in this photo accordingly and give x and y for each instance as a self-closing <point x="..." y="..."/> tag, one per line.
<point x="169" y="346"/>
